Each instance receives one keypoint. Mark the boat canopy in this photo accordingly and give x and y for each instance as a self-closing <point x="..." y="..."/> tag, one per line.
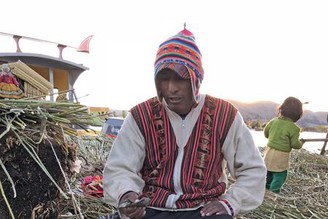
<point x="62" y="74"/>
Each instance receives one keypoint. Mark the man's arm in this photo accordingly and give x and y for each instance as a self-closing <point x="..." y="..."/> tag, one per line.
<point x="246" y="165"/>
<point x="124" y="163"/>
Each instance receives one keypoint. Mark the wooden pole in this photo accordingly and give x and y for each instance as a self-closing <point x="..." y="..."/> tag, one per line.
<point x="316" y="139"/>
<point x="323" y="149"/>
<point x="325" y="140"/>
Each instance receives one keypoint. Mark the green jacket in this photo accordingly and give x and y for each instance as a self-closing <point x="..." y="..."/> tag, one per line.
<point x="283" y="134"/>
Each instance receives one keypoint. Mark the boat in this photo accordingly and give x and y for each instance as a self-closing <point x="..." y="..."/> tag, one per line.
<point x="60" y="73"/>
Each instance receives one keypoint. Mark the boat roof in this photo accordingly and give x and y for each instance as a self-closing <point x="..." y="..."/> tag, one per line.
<point x="43" y="60"/>
<point x="54" y="69"/>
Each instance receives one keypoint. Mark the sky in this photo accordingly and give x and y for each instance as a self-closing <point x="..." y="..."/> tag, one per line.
<point x="252" y="50"/>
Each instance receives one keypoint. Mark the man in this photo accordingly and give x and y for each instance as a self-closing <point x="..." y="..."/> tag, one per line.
<point x="175" y="148"/>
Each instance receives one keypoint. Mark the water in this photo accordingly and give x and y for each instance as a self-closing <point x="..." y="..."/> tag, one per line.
<point x="314" y="147"/>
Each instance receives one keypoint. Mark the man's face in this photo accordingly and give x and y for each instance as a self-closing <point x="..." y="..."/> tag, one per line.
<point x="176" y="91"/>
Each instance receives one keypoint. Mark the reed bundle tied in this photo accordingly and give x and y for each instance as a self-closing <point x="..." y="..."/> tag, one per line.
<point x="32" y="140"/>
<point x="20" y="114"/>
<point x="24" y="72"/>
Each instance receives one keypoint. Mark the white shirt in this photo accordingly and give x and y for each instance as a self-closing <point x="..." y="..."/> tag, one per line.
<point x="241" y="158"/>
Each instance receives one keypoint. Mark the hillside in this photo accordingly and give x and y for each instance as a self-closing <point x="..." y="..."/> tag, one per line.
<point x="266" y="110"/>
<point x="263" y="111"/>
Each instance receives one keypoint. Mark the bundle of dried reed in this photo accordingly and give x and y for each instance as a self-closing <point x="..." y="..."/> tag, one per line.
<point x="35" y="155"/>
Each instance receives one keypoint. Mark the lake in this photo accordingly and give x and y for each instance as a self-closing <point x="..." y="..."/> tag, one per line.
<point x="314" y="147"/>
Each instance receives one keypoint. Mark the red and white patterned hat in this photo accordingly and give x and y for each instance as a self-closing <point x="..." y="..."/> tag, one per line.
<point x="181" y="54"/>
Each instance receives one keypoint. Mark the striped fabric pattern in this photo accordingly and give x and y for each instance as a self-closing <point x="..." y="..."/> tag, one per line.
<point x="181" y="50"/>
<point x="202" y="161"/>
<point x="180" y="69"/>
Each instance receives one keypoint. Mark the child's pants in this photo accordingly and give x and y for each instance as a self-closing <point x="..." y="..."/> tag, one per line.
<point x="275" y="180"/>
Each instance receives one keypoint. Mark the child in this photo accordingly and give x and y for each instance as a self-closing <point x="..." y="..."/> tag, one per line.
<point x="283" y="136"/>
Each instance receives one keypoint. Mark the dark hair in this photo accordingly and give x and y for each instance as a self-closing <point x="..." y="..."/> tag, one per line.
<point x="291" y="108"/>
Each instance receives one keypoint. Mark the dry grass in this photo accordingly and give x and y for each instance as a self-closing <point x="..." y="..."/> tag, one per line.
<point x="305" y="195"/>
<point x="93" y="152"/>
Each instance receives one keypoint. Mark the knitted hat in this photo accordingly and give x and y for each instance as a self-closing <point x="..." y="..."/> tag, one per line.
<point x="181" y="54"/>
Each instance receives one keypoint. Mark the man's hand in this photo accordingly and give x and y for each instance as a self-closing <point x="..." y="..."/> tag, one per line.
<point x="213" y="207"/>
<point x="133" y="212"/>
